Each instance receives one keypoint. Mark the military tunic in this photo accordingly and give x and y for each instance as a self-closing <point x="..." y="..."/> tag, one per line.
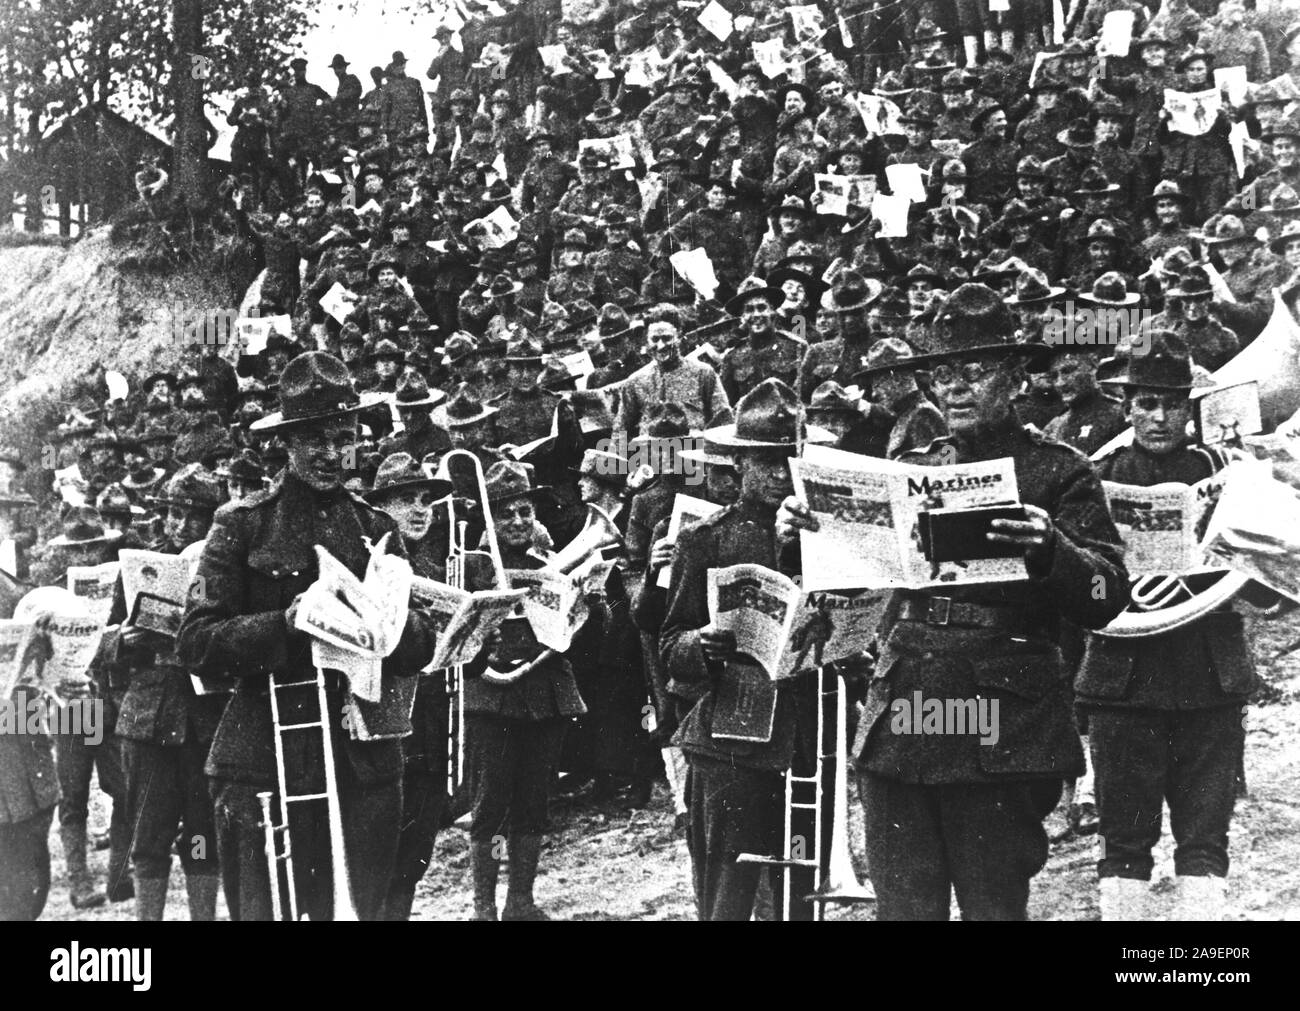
<point x="748" y="364"/>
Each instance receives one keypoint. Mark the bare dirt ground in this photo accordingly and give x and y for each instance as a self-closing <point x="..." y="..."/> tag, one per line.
<point x="602" y="863"/>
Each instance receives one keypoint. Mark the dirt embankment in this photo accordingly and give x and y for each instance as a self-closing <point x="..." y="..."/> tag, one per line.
<point x="68" y="314"/>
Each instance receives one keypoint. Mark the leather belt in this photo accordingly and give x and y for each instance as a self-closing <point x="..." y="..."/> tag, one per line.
<point x="944" y="611"/>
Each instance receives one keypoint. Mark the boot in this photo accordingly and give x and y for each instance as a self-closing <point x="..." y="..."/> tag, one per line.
<point x="484" y="869"/>
<point x="202" y="892"/>
<point x="972" y="46"/>
<point x="150" y="898"/>
<point x="525" y="851"/>
<point x="1123" y="899"/>
<point x="82" y="892"/>
<point x="1200" y="898"/>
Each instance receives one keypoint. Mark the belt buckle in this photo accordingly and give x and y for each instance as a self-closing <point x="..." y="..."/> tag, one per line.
<point x="938" y="610"/>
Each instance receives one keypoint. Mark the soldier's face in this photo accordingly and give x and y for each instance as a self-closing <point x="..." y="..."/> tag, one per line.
<point x="387" y="277"/>
<point x="1107" y="129"/>
<point x="1168" y="211"/>
<point x="160" y="393"/>
<point x="192" y="396"/>
<point x="717" y="198"/>
<point x="1159" y="418"/>
<point x="157" y="450"/>
<point x="401" y="235"/>
<point x="1099" y="253"/>
<point x="317" y="453"/>
<point x="756" y="316"/>
<point x="571" y="259"/>
<point x="795" y="296"/>
<point x="1154" y="56"/>
<point x="412" y="511"/>
<point x="1045" y="100"/>
<point x="1291" y="253"/>
<point x="184" y="526"/>
<point x="1031" y="187"/>
<point x="721" y="484"/>
<point x="1284" y="151"/>
<point x="665" y="342"/>
<point x="1195" y="309"/>
<point x="476" y="436"/>
<point x="121" y="522"/>
<point x="765" y="476"/>
<point x="794" y="102"/>
<point x="916" y="134"/>
<point x="1072" y="376"/>
<point x="514" y="523"/>
<point x="385" y="368"/>
<point x="522" y="376"/>
<point x="974" y="394"/>
<point x="315" y="203"/>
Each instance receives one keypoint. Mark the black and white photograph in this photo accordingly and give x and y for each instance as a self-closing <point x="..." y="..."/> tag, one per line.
<point x="515" y="460"/>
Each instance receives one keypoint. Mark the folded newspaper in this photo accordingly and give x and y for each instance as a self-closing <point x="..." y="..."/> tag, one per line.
<point x="1255" y="528"/>
<point x="94" y="584"/>
<point x="556" y="602"/>
<point x="785" y="629"/>
<point x="1163" y="525"/>
<point x="464" y="620"/>
<point x="870" y="510"/>
<point x="356" y="623"/>
<point x="156" y="588"/>
<point x="687" y="509"/>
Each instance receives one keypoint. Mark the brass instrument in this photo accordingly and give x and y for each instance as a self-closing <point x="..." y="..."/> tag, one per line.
<point x="279" y="844"/>
<point x="1161" y="603"/>
<point x="840" y="882"/>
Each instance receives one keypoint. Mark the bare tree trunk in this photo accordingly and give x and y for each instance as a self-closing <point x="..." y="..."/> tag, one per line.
<point x="190" y="182"/>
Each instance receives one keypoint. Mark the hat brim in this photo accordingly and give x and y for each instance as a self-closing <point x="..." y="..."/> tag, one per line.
<point x="1031" y="352"/>
<point x="775" y="297"/>
<point x="440" y="488"/>
<point x="276" y="421"/>
<point x="63" y="541"/>
<point x="434" y="397"/>
<point x="725" y="436"/>
<point x="484" y="413"/>
<point x="542" y="490"/>
<point x="1244" y="237"/>
<point x="1278" y="244"/>
<point x="1130" y="298"/>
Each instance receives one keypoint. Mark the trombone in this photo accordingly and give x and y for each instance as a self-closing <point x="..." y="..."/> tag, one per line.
<point x="457" y="553"/>
<point x="278" y="839"/>
<point x="839" y="883"/>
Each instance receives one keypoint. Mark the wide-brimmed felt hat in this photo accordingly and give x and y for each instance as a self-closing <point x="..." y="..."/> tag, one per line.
<point x="339" y="61"/>
<point x="1228" y="229"/>
<point x="1033" y="288"/>
<point x="813" y="286"/>
<point x="809" y="96"/>
<point x="386" y="348"/>
<point x="892" y="305"/>
<point x="1153" y="36"/>
<point x="751" y="288"/>
<point x="507" y="480"/>
<point x="1167" y="189"/>
<point x="1079" y="134"/>
<point x="245" y="467"/>
<point x="524" y="349"/>
<point x="667" y="420"/>
<point x="1095" y="183"/>
<point x="982" y="113"/>
<point x="852" y="292"/>
<point x="1104" y="230"/>
<point x="792" y="205"/>
<point x="884" y="355"/>
<point x="799" y="252"/>
<point x="767" y="417"/>
<point x="159" y="376"/>
<point x="973" y="321"/>
<point x="503" y="285"/>
<point x="401" y="472"/>
<point x="413" y="392"/>
<point x="574" y="238"/>
<point x="465" y="409"/>
<point x="603" y="111"/>
<point x="602" y="465"/>
<point x="115" y="500"/>
<point x="1193" y="55"/>
<point x="314" y="387"/>
<point x="1289" y="127"/>
<point x="82" y="526"/>
<point x="1030" y="167"/>
<point x="382" y="258"/>
<point x="1194" y="283"/>
<point x="1166" y="364"/>
<point x="831" y="398"/>
<point x="924" y="272"/>
<point x="1290" y="233"/>
<point x="892" y="85"/>
<point x="1282" y="200"/>
<point x="191" y="487"/>
<point x="1110" y="289"/>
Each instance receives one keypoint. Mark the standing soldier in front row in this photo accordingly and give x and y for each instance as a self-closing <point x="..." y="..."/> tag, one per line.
<point x="945" y="811"/>
<point x="258" y="560"/>
<point x="165" y="727"/>
<point x="734" y="786"/>
<point x="1165" y="711"/>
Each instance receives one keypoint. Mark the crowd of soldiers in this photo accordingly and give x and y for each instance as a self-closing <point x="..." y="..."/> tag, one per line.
<point x="1056" y="194"/>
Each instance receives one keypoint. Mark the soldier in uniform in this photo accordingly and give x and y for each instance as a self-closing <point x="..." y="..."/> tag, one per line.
<point x="946" y="810"/>
<point x="917" y="424"/>
<point x="419" y="435"/>
<point x="1210" y="343"/>
<point x="1165" y="711"/>
<point x="670" y="377"/>
<point x="166" y="728"/>
<point x="1235" y="251"/>
<point x="734" y="788"/>
<point x="257" y="561"/>
<point x="1091" y="418"/>
<point x="407" y="494"/>
<point x="843" y="355"/>
<point x="571" y="279"/>
<point x="29" y="790"/>
<point x="519" y="700"/>
<point x="527" y="411"/>
<point x="765" y="352"/>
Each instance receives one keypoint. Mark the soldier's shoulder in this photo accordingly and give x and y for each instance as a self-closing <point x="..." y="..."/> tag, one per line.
<point x="265" y="498"/>
<point x="1046" y="443"/>
<point x="792" y="338"/>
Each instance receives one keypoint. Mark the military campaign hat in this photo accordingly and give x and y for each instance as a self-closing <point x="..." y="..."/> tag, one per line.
<point x="401" y="472"/>
<point x="385" y="348"/>
<point x="1194" y="283"/>
<point x="767" y="417"/>
<point x="751" y="288"/>
<point x="832" y="398"/>
<point x="115" y="500"/>
<point x="1229" y="229"/>
<point x="602" y="465"/>
<point x="413" y="392"/>
<point x="885" y="355"/>
<point x="1033" y="288"/>
<point x="192" y="487"/>
<point x="244" y="467"/>
<point x="507" y="480"/>
<point x="1110" y="289"/>
<point x="82" y="526"/>
<point x="314" y="387"/>
<point x="1166" y="365"/>
<point x="851" y="292"/>
<point x="975" y="321"/>
<point x="813" y="286"/>
<point x="525" y="349"/>
<point x="465" y="409"/>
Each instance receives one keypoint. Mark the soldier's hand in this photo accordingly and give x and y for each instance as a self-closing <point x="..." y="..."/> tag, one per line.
<point x="718" y="646"/>
<point x="793" y="516"/>
<point x="1035" y="533"/>
<point x="662" y="553"/>
<point x="291" y="612"/>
